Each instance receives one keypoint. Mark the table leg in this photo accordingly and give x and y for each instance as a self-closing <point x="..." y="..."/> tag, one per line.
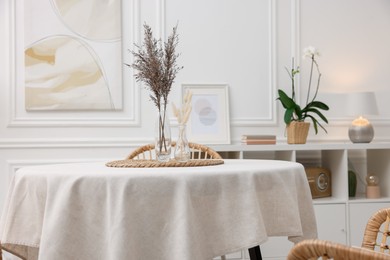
<point x="255" y="253"/>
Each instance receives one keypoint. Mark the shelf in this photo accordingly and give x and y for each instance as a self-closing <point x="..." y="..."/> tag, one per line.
<point x="283" y="146"/>
<point x="363" y="199"/>
<point x="335" y="156"/>
<point x="328" y="200"/>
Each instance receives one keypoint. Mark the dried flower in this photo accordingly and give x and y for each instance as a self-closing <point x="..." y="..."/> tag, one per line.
<point x="156" y="65"/>
<point x="184" y="112"/>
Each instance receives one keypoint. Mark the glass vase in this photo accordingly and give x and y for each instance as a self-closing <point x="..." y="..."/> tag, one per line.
<point x="163" y="137"/>
<point x="182" y="149"/>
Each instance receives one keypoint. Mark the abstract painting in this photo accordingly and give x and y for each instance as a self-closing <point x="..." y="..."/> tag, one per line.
<point x="72" y="55"/>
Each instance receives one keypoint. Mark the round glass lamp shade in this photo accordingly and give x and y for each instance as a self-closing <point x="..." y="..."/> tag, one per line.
<point x="361" y="131"/>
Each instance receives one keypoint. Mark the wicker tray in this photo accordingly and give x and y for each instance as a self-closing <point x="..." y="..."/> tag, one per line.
<point x="170" y="163"/>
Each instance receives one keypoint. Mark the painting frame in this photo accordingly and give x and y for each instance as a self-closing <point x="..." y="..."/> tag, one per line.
<point x="75" y="62"/>
<point x="18" y="116"/>
<point x="209" y="122"/>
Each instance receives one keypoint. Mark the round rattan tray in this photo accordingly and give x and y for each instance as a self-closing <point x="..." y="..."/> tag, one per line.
<point x="154" y="163"/>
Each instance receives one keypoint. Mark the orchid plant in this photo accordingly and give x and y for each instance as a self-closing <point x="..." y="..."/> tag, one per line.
<point x="312" y="107"/>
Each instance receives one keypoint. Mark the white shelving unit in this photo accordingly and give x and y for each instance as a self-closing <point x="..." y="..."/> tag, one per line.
<point x="339" y="218"/>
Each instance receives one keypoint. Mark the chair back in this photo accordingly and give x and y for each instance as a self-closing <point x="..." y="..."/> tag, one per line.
<point x="323" y="249"/>
<point x="198" y="151"/>
<point x="377" y="231"/>
<point x="375" y="236"/>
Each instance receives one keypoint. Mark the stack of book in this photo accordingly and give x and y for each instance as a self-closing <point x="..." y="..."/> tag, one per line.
<point x="258" y="139"/>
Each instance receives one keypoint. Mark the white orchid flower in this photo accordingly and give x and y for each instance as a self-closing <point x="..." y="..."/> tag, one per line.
<point x="310" y="52"/>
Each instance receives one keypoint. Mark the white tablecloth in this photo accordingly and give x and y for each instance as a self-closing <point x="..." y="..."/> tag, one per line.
<point x="90" y="211"/>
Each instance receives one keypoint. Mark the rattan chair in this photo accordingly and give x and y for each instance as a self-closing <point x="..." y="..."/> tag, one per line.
<point x="198" y="151"/>
<point x="322" y="249"/>
<point x="379" y="220"/>
<point x="377" y="228"/>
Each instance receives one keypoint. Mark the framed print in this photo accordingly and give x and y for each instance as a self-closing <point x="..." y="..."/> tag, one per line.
<point x="72" y="57"/>
<point x="71" y="72"/>
<point x="209" y="122"/>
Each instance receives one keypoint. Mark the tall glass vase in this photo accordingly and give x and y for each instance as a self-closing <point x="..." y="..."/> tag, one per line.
<point x="163" y="136"/>
<point x="182" y="149"/>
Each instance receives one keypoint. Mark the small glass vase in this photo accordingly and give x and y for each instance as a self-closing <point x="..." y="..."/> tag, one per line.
<point x="163" y="137"/>
<point x="182" y="148"/>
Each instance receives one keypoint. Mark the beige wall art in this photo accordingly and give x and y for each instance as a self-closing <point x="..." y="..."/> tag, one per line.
<point x="72" y="55"/>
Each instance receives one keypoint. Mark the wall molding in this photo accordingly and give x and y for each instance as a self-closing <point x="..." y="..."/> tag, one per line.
<point x="85" y="143"/>
<point x="295" y="39"/>
<point x="271" y="119"/>
<point x="124" y="117"/>
<point x="39" y="143"/>
<point x="295" y="52"/>
<point x="346" y="122"/>
<point x="160" y="18"/>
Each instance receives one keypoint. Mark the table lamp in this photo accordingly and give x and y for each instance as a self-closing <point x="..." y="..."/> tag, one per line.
<point x="359" y="104"/>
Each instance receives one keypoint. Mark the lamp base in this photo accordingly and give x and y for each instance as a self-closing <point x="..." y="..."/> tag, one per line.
<point x="373" y="192"/>
<point x="361" y="133"/>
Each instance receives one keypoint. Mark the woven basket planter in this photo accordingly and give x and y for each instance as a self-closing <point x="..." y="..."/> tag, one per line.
<point x="297" y="132"/>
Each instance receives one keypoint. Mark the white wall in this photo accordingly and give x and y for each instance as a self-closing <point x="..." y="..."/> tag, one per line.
<point x="245" y="44"/>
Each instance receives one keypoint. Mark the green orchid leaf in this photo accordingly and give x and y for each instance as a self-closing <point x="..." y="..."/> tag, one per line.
<point x="284" y="106"/>
<point x="323" y="128"/>
<point x="316" y="111"/>
<point x="299" y="112"/>
<point x="288" y="115"/>
<point x="286" y="101"/>
<point x="318" y="104"/>
<point x="316" y="124"/>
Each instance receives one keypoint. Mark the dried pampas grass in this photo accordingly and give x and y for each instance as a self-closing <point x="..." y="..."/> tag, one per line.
<point x="182" y="114"/>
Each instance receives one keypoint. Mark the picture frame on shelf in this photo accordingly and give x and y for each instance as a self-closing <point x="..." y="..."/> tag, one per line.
<point x="209" y="122"/>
